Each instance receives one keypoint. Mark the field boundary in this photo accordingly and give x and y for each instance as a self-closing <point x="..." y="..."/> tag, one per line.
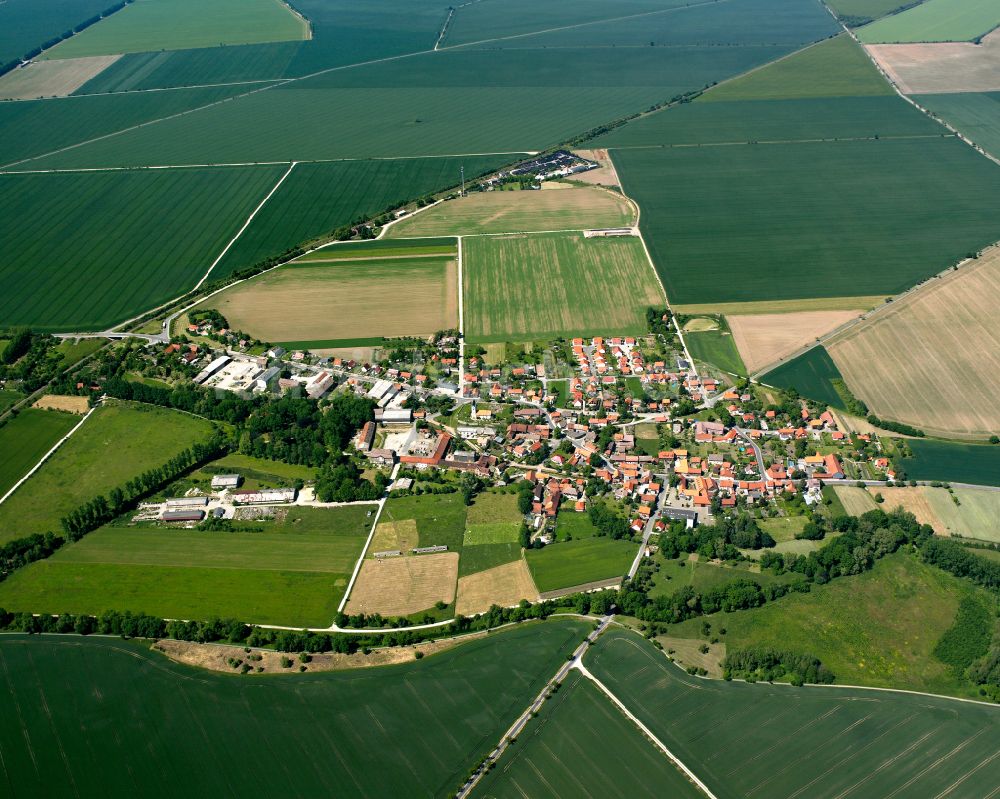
<point x="47" y="455"/>
<point x="595" y="585"/>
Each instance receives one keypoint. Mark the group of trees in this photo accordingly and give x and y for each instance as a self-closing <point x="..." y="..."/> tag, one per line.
<point x="341" y="481"/>
<point x="22" y="551"/>
<point x="962" y="562"/>
<point x="607" y="520"/>
<point x="721" y="540"/>
<point x="766" y="663"/>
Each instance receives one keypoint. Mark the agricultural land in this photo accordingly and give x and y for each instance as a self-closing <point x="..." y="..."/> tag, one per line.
<point x="944" y="67"/>
<point x="555" y="284"/>
<point x="461" y="701"/>
<point x="827" y="741"/>
<point x="901" y="359"/>
<point x="974" y="114"/>
<point x="763" y="339"/>
<point x="26" y="438"/>
<point x="935" y="21"/>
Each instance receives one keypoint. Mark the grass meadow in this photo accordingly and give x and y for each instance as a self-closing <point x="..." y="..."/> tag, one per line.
<point x="555" y="754"/>
<point x="316" y="199"/>
<point x="554" y="208"/>
<point x="935" y="21"/>
<point x="114" y="445"/>
<point x="716" y="347"/>
<point x="862" y="627"/>
<point x="26" y="438"/>
<point x="156" y="234"/>
<point x="973" y="516"/>
<point x="555" y="285"/>
<point x="580" y="561"/>
<point x="321" y="729"/>
<point x="293" y="573"/>
<point x="381" y="248"/>
<point x="775" y="740"/>
<point x="147" y="25"/>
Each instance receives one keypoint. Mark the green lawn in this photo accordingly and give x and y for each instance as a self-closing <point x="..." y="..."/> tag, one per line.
<point x="865" y="628"/>
<point x="297" y="734"/>
<point x="440" y="518"/>
<point x="737" y="223"/>
<point x="179" y="220"/>
<point x="292" y="573"/>
<point x="834" y="68"/>
<point x="935" y="21"/>
<point x="555" y="285"/>
<point x="115" y="444"/>
<point x="571" y="526"/>
<point x="783" y="528"/>
<point x="184" y="24"/>
<point x="7" y="396"/>
<point x="779" y="741"/>
<point x="25" y="439"/>
<point x="578" y="562"/>
<point x="718" y="348"/>
<point x="555" y="755"/>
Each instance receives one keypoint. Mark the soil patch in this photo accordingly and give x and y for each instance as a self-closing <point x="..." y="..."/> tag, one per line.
<point x="942" y="68"/>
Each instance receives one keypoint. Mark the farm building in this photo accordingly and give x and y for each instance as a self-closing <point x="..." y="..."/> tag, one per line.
<point x="211" y="369"/>
<point x="187" y="502"/>
<point x="192" y="515"/>
<point x="264" y="496"/>
<point x="225" y="481"/>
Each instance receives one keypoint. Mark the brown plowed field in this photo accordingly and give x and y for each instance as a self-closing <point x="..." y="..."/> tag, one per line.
<point x="943" y="67"/>
<point x="405" y="585"/>
<point x="504" y="585"/>
<point x="763" y="339"/>
<point x="933" y="359"/>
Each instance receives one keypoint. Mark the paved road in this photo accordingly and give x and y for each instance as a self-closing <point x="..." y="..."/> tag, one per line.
<point x="758" y="453"/>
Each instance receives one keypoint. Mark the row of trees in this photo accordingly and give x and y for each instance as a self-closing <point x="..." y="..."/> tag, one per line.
<point x="101" y="510"/>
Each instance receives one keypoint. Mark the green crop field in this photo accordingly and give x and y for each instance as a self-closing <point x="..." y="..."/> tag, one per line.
<point x="147" y="25"/>
<point x="555" y="754"/>
<point x="935" y="21"/>
<point x="862" y="627"/>
<point x="554" y="208"/>
<point x="716" y="347"/>
<point x="26" y="438"/>
<point x="978" y="464"/>
<point x="775" y="740"/>
<point x="316" y="199"/>
<point x="34" y="127"/>
<point x="156" y="234"/>
<point x="572" y="563"/>
<point x="24" y="25"/>
<point x="115" y="444"/>
<point x="834" y="68"/>
<point x="298" y="734"/>
<point x="809" y="219"/>
<point x="555" y="285"/>
<point x="810" y="374"/>
<point x="858" y="12"/>
<point x="293" y="573"/>
<point x="975" y="114"/>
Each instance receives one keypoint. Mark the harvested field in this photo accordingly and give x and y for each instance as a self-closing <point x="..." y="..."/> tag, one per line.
<point x="605" y="175"/>
<point x="56" y="402"/>
<point x="933" y="358"/>
<point x="943" y="67"/>
<point x="351" y="299"/>
<point x="763" y="339"/>
<point x="569" y="208"/>
<point x="559" y="284"/>
<point x="767" y="307"/>
<point x="914" y="500"/>
<point x="52" y="78"/>
<point x="855" y="500"/>
<point x="400" y="586"/>
<point x="390" y="536"/>
<point x="504" y="585"/>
